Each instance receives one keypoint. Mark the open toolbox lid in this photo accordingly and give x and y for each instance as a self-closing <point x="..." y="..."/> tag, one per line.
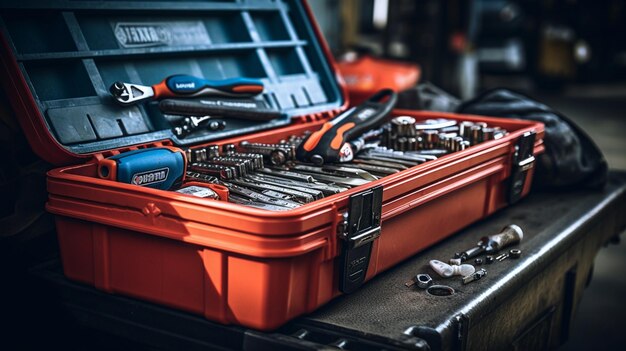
<point x="60" y="57"/>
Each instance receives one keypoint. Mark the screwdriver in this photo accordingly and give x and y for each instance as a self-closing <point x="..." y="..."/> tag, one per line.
<point x="511" y="234"/>
<point x="185" y="86"/>
<point x="331" y="142"/>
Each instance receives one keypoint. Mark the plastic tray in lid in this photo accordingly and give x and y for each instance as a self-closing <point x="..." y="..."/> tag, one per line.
<point x="61" y="57"/>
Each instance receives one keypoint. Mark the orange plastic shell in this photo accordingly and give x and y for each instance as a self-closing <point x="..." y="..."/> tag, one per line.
<point x="240" y="265"/>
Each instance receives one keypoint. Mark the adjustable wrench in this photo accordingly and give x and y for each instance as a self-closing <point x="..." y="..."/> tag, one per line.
<point x="185" y="86"/>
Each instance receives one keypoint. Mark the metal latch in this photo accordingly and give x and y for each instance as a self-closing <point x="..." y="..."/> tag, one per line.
<point x="523" y="160"/>
<point x="360" y="228"/>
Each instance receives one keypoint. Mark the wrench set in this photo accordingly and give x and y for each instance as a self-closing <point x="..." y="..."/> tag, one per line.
<point x="271" y="177"/>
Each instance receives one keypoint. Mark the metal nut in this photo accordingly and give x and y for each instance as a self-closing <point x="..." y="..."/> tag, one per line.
<point x="515" y="253"/>
<point x="423" y="280"/>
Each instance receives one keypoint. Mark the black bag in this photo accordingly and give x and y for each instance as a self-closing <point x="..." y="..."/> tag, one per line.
<point x="571" y="159"/>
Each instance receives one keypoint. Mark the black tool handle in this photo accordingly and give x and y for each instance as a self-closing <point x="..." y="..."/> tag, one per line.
<point x="247" y="109"/>
<point x="327" y="144"/>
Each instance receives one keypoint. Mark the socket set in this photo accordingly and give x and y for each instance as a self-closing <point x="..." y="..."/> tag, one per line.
<point x="269" y="176"/>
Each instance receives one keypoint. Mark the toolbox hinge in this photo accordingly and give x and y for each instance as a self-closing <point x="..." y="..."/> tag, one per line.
<point x="523" y="160"/>
<point x="361" y="226"/>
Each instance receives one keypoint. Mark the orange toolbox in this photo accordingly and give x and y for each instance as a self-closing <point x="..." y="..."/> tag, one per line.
<point x="232" y="258"/>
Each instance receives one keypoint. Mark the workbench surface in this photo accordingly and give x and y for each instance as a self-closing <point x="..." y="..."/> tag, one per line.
<point x="524" y="303"/>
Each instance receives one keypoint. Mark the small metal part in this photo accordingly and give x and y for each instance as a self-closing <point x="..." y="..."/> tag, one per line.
<point x="476" y="135"/>
<point x="465" y="129"/>
<point x="276" y="154"/>
<point x="401" y="144"/>
<point x="256" y="159"/>
<point x="277" y="157"/>
<point x="455" y="261"/>
<point x="488" y="134"/>
<point x="241" y="168"/>
<point x="403" y="126"/>
<point x="229" y="149"/>
<point x="212" y="151"/>
<point x="128" y="93"/>
<point x="515" y="253"/>
<point x="489" y="259"/>
<point x="479" y="274"/>
<point x="478" y="261"/>
<point x="192" y="123"/>
<point x="199" y="191"/>
<point x="248" y="163"/>
<point x="502" y="257"/>
<point x="422" y="280"/>
<point x="431" y="139"/>
<point x="434" y="124"/>
<point x="213" y="170"/>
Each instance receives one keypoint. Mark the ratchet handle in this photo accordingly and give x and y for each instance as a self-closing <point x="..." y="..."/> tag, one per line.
<point x="327" y="143"/>
<point x="181" y="85"/>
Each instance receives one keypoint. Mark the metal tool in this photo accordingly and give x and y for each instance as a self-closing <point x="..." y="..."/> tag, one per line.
<point x="242" y="108"/>
<point x="260" y="205"/>
<point x="479" y="274"/>
<point x="374" y="170"/>
<point x="185" y="86"/>
<point x="201" y="177"/>
<point x="393" y="165"/>
<point x="387" y="158"/>
<point x="255" y="196"/>
<point x="213" y="170"/>
<point x="313" y="193"/>
<point x="326" y="189"/>
<point x="194" y="123"/>
<point x="423" y="281"/>
<point x="330" y="143"/>
<point x="343" y="181"/>
<point x="306" y="178"/>
<point x="276" y="154"/>
<point x="159" y="167"/>
<point x="336" y="171"/>
<point x="511" y="234"/>
<point x="263" y="186"/>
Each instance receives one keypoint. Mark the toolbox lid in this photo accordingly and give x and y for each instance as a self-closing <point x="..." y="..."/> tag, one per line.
<point x="60" y="58"/>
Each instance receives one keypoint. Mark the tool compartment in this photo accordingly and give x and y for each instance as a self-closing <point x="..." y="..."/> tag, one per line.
<point x="231" y="263"/>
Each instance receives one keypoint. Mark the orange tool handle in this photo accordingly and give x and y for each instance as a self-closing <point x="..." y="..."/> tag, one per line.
<point x="328" y="144"/>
